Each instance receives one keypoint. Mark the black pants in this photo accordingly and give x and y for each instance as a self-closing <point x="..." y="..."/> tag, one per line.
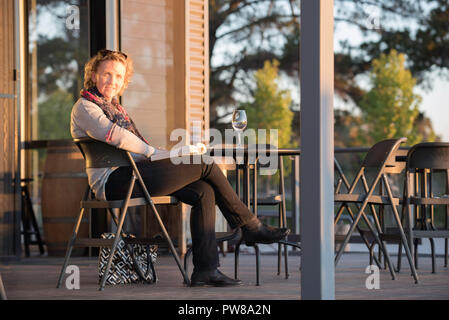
<point x="199" y="185"/>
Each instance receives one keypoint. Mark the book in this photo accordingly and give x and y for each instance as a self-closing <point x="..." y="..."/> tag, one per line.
<point x="187" y="150"/>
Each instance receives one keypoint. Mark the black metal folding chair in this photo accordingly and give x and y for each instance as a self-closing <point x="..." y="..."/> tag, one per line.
<point x="275" y="200"/>
<point x="379" y="158"/>
<point x="342" y="181"/>
<point x="425" y="161"/>
<point x="2" y="290"/>
<point x="98" y="154"/>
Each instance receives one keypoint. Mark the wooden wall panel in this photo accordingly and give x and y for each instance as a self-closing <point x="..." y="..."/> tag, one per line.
<point x="9" y="217"/>
<point x="147" y="35"/>
<point x="169" y="45"/>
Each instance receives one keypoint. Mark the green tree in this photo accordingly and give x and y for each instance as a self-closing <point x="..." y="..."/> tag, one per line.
<point x="390" y="108"/>
<point x="347" y="129"/>
<point x="270" y="108"/>
<point x="54" y="115"/>
<point x="260" y="30"/>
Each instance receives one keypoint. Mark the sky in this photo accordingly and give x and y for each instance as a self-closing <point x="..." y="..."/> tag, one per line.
<point x="435" y="104"/>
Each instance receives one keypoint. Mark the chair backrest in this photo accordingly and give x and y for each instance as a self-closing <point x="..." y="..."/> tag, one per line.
<point x="397" y="166"/>
<point x="98" y="154"/>
<point x="429" y="155"/>
<point x="383" y="152"/>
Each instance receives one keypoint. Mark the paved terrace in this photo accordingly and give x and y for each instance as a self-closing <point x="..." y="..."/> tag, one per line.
<point x="36" y="277"/>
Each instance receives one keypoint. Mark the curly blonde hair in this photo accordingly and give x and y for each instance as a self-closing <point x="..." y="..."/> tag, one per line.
<point x="105" y="55"/>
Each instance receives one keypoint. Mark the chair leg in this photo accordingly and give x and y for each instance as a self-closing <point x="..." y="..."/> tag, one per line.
<point x="256" y="248"/>
<point x="432" y="249"/>
<point x="222" y="250"/>
<point x="129" y="248"/>
<point x="170" y="243"/>
<point x="378" y="224"/>
<point x="399" y="260"/>
<point x="401" y="231"/>
<point x="362" y="234"/>
<point x="280" y="225"/>
<point x="279" y="258"/>
<point x="118" y="232"/>
<point x="186" y="257"/>
<point x="2" y="290"/>
<point x="398" y="269"/>
<point x="151" y="265"/>
<point x="445" y="252"/>
<point x="284" y="222"/>
<point x="373" y="258"/>
<point x="407" y="250"/>
<point x="236" y="259"/>
<point x="158" y="218"/>
<point x="382" y="248"/>
<point x="286" y="261"/>
<point x="283" y="210"/>
<point x="39" y="240"/>
<point x="347" y="237"/>
<point x="379" y="242"/>
<point x="371" y="253"/>
<point x="412" y="243"/>
<point x="416" y="253"/>
<point x="70" y="247"/>
<point x="29" y="214"/>
<point x="114" y="246"/>
<point x="25" y="227"/>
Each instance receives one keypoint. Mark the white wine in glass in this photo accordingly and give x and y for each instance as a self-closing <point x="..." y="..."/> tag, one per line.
<point x="239" y="123"/>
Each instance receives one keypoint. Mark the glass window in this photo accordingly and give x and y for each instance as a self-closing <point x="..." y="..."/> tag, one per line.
<point x="58" y="45"/>
<point x="58" y="50"/>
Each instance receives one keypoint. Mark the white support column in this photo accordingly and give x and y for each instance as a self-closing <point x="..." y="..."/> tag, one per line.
<point x="112" y="25"/>
<point x="317" y="150"/>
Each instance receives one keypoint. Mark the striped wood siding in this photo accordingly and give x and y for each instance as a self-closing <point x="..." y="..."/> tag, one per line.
<point x="9" y="221"/>
<point x="197" y="67"/>
<point x="147" y="36"/>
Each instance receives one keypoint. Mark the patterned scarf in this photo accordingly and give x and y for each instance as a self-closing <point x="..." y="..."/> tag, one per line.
<point x="113" y="111"/>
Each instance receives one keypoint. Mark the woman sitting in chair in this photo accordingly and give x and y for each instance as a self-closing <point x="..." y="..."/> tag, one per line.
<point x="98" y="114"/>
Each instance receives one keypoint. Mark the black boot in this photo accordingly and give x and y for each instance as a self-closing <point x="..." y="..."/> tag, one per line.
<point x="212" y="278"/>
<point x="263" y="233"/>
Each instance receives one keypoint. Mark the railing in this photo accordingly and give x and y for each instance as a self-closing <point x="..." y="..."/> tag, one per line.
<point x="293" y="195"/>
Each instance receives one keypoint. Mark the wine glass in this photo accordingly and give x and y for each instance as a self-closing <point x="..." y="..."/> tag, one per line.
<point x="239" y="123"/>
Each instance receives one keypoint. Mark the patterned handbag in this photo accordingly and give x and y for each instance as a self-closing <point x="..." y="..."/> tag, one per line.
<point x="131" y="263"/>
